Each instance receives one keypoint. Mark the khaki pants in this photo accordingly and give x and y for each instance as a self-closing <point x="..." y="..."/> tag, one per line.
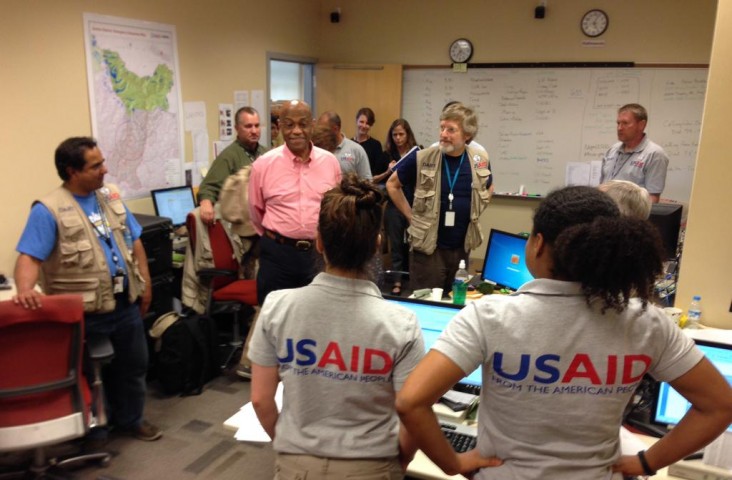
<point x="307" y="467"/>
<point x="244" y="361"/>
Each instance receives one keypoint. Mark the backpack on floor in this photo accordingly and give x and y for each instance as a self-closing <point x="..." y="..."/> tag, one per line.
<point x="186" y="346"/>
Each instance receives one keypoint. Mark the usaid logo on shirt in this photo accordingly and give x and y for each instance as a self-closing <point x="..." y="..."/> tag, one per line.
<point x="348" y="158"/>
<point x="580" y="374"/>
<point x="638" y="163"/>
<point x="335" y="361"/>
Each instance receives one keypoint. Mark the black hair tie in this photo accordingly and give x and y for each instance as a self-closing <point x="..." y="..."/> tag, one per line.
<point x="647" y="470"/>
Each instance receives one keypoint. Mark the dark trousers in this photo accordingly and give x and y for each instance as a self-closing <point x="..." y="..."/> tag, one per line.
<point x="436" y="270"/>
<point x="396" y="225"/>
<point x="124" y="377"/>
<point x="284" y="266"/>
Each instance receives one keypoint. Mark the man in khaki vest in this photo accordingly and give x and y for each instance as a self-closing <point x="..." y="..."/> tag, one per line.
<point x="452" y="185"/>
<point x="80" y="238"/>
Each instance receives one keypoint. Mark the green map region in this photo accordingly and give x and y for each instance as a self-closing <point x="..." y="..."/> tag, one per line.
<point x="136" y="92"/>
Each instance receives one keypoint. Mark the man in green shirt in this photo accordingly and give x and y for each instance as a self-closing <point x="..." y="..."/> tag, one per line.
<point x="242" y="152"/>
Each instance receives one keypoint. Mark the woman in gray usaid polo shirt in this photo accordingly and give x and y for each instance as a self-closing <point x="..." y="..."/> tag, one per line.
<point x="562" y="356"/>
<point x="341" y="351"/>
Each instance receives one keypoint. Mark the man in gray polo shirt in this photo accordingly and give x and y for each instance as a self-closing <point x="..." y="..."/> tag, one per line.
<point x="350" y="154"/>
<point x="635" y="158"/>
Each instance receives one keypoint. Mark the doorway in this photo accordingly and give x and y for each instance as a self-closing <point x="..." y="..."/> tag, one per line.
<point x="288" y="78"/>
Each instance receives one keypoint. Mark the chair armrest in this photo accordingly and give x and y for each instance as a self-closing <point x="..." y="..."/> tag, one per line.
<point x="208" y="273"/>
<point x="100" y="348"/>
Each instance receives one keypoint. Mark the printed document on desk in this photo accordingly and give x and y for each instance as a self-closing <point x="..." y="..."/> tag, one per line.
<point x="247" y="424"/>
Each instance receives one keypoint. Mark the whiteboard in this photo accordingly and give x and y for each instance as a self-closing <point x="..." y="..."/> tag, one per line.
<point x="533" y="121"/>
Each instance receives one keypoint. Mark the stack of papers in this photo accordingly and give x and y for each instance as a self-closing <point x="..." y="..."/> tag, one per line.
<point x="246" y="423"/>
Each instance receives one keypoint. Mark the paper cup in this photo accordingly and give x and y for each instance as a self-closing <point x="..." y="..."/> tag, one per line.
<point x="436" y="294"/>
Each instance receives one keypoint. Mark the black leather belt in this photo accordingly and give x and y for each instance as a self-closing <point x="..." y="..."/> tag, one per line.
<point x="302" y="245"/>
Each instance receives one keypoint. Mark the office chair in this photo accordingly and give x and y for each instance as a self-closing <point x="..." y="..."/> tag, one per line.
<point x="44" y="397"/>
<point x="227" y="293"/>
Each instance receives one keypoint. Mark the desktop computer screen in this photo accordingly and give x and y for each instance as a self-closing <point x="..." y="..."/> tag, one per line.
<point x="505" y="260"/>
<point x="670" y="406"/>
<point x="433" y="317"/>
<point x="174" y="203"/>
<point x="667" y="219"/>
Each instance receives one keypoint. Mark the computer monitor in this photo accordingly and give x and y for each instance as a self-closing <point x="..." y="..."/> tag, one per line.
<point x="174" y="203"/>
<point x="669" y="406"/>
<point x="505" y="260"/>
<point x="667" y="219"/>
<point x="433" y="317"/>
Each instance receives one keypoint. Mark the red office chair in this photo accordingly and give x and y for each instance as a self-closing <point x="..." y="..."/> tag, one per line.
<point x="44" y="397"/>
<point x="227" y="293"/>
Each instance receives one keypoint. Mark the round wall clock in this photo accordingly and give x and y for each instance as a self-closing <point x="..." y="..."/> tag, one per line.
<point x="461" y="50"/>
<point x="594" y="23"/>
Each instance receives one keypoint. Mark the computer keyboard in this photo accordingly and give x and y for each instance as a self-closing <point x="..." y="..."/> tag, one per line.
<point x="467" y="388"/>
<point x="460" y="442"/>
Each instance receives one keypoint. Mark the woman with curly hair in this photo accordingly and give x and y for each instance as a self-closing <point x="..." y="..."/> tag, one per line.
<point x="341" y="351"/>
<point x="562" y="356"/>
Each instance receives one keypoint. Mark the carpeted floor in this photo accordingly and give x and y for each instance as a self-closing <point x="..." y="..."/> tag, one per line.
<point x="195" y="443"/>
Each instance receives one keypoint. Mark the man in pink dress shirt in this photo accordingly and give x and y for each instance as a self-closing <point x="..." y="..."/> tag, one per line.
<point x="285" y="190"/>
<point x="286" y="186"/>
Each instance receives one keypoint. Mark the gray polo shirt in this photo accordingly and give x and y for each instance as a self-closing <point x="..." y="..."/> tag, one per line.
<point x="342" y="352"/>
<point x="353" y="158"/>
<point x="645" y="165"/>
<point x="558" y="374"/>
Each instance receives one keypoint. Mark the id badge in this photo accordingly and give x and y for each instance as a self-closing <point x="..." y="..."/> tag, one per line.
<point x="118" y="282"/>
<point x="449" y="219"/>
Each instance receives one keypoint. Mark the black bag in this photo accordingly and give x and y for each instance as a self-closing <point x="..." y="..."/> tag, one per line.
<point x="186" y="346"/>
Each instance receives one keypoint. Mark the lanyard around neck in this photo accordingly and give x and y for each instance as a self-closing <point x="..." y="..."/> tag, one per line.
<point x="106" y="235"/>
<point x="106" y="230"/>
<point x="452" y="179"/>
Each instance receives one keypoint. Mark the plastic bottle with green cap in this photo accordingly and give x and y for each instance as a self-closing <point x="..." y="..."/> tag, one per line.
<point x="460" y="284"/>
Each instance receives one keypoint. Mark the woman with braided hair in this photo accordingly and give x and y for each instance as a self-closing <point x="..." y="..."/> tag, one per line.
<point x="562" y="356"/>
<point x="341" y="351"/>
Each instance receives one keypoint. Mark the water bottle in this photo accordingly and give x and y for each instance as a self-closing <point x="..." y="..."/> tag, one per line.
<point x="460" y="284"/>
<point x="693" y="317"/>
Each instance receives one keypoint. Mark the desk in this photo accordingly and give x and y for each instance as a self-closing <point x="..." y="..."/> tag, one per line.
<point x="8" y="294"/>
<point x="422" y="467"/>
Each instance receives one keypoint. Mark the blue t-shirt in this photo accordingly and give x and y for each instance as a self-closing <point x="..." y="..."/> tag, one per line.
<point x="447" y="237"/>
<point x="39" y="236"/>
<point x="407" y="189"/>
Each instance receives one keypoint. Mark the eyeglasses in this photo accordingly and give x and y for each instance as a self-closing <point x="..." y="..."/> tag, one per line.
<point x="449" y="130"/>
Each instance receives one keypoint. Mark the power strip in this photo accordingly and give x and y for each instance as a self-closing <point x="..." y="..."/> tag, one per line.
<point x="696" y="470"/>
